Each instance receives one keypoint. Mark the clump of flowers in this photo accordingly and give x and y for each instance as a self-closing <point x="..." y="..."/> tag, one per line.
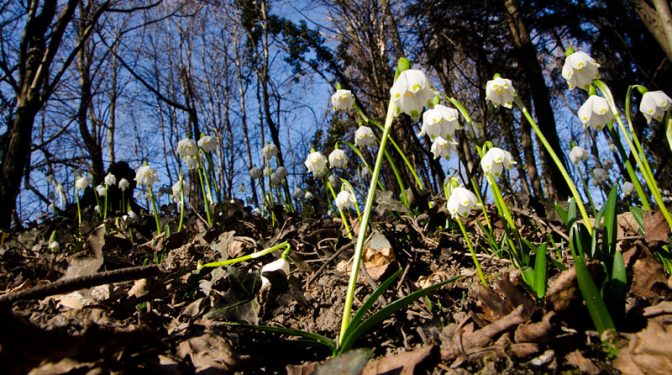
<point x="654" y="105"/>
<point x="146" y="175"/>
<point x="440" y="121"/>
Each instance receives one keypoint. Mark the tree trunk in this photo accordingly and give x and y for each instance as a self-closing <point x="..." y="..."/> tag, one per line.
<point x="527" y="58"/>
<point x="658" y="20"/>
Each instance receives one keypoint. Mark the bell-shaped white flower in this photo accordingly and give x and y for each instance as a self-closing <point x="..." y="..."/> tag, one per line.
<point x="496" y="160"/>
<point x="333" y="180"/>
<point x="193" y="162"/>
<point x="146" y="175"/>
<point x="338" y="159"/>
<point x="654" y="104"/>
<point x="580" y="70"/>
<point x="255" y="172"/>
<point x="411" y="92"/>
<point x="179" y="188"/>
<point x="628" y="188"/>
<point x="277" y="265"/>
<point x="282" y="172"/>
<point x="207" y="143"/>
<point x="595" y="112"/>
<point x="500" y="91"/>
<point x="276" y="179"/>
<point x="316" y="163"/>
<point x="364" y="136"/>
<point x="124" y="184"/>
<point x="342" y="100"/>
<point x="308" y="196"/>
<point x="440" y="121"/>
<point x="269" y="151"/>
<point x="461" y="202"/>
<point x="54" y="246"/>
<point x="110" y="179"/>
<point x="345" y="200"/>
<point x="600" y="176"/>
<point x="101" y="190"/>
<point x="442" y="148"/>
<point x="578" y="154"/>
<point x="187" y="148"/>
<point x="298" y="193"/>
<point x="82" y="182"/>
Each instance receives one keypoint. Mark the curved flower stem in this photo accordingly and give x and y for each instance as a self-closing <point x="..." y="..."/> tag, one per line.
<point x="504" y="211"/>
<point x="641" y="163"/>
<point x="156" y="211"/>
<point x="558" y="163"/>
<point x="285" y="245"/>
<point x="359" y="247"/>
<point x="206" y="201"/>
<point x="79" y="210"/>
<point x="352" y="191"/>
<point x="179" y="225"/>
<point x="481" y="276"/>
<point x="343" y="218"/>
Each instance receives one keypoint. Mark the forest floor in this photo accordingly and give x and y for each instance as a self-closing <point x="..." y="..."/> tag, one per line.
<point x="104" y="303"/>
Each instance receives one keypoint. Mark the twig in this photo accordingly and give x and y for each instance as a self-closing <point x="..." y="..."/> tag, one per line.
<point x="82" y="282"/>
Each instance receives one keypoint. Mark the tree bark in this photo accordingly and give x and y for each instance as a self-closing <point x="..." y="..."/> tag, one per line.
<point x="658" y="20"/>
<point x="527" y="58"/>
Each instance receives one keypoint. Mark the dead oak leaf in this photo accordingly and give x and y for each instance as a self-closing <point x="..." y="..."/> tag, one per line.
<point x="646" y="353"/>
<point x="208" y="353"/>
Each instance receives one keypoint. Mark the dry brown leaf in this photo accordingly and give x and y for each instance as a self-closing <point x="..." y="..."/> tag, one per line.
<point x="585" y="365"/>
<point x="536" y="332"/>
<point x="402" y="363"/>
<point x="436" y="277"/>
<point x="208" y="353"/>
<point x="140" y="288"/>
<point x="657" y="230"/>
<point x="648" y="351"/>
<point x="663" y="308"/>
<point x="378" y="255"/>
<point x="64" y="366"/>
<point x="648" y="276"/>
<point x="562" y="290"/>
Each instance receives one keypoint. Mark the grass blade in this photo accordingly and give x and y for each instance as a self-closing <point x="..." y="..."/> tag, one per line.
<point x="308" y="337"/>
<point x="609" y="225"/>
<point x="540" y="271"/>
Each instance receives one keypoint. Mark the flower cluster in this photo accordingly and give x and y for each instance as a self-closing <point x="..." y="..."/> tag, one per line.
<point x="578" y="154"/>
<point x="461" y="202"/>
<point x="496" y="160"/>
<point x="316" y="163"/>
<point x="187" y="149"/>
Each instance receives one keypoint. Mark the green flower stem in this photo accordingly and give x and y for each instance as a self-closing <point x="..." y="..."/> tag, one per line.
<point x="477" y="192"/>
<point x="179" y="225"/>
<point x="343" y="218"/>
<point x="397" y="175"/>
<point x="481" y="276"/>
<point x="359" y="248"/>
<point x="628" y="166"/>
<point x="648" y="177"/>
<point x="79" y="210"/>
<point x="361" y="157"/>
<point x="504" y="211"/>
<point x="396" y="147"/>
<point x="105" y="204"/>
<point x="285" y="245"/>
<point x="211" y="175"/>
<point x="206" y="201"/>
<point x="352" y="191"/>
<point x="558" y="163"/>
<point x="123" y="202"/>
<point x="585" y="188"/>
<point x="156" y="211"/>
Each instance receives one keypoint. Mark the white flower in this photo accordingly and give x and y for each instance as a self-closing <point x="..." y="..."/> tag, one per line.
<point x="277" y="265"/>
<point x="595" y="112"/>
<point x="255" y="172"/>
<point x="316" y="163"/>
<point x="282" y="172"/>
<point x="110" y="179"/>
<point x="193" y="162"/>
<point x="628" y="188"/>
<point x="500" y="91"/>
<point x="207" y="143"/>
<point x="607" y="164"/>
<point x="411" y="92"/>
<point x="131" y="216"/>
<point x="654" y="104"/>
<point x="54" y="246"/>
<point x="333" y="180"/>
<point x="461" y="202"/>
<point x="97" y="209"/>
<point x="580" y="70"/>
<point x="440" y="121"/>
<point x="364" y="137"/>
<point x="146" y="176"/>
<point x="269" y="151"/>
<point x="124" y="184"/>
<point x="298" y="193"/>
<point x="342" y="100"/>
<point x="82" y="183"/>
<point x="600" y="176"/>
<point x="345" y="200"/>
<point x="101" y="190"/>
<point x="276" y="180"/>
<point x="178" y="189"/>
<point x="308" y="196"/>
<point x="338" y="159"/>
<point x="496" y="160"/>
<point x="577" y="154"/>
<point x="442" y="148"/>
<point x="61" y="195"/>
<point x="187" y="148"/>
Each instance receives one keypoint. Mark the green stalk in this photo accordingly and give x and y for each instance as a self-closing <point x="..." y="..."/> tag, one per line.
<point x="585" y="188"/>
<point x="558" y="163"/>
<point x="501" y="206"/>
<point x="285" y="245"/>
<point x="481" y="276"/>
<point x="105" y="205"/>
<point x="359" y="248"/>
<point x="352" y="191"/>
<point x="156" y="211"/>
<point x="343" y="218"/>
<point x="79" y="210"/>
<point x="648" y="177"/>
<point x="206" y="201"/>
<point x="628" y="166"/>
<point x="477" y="192"/>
